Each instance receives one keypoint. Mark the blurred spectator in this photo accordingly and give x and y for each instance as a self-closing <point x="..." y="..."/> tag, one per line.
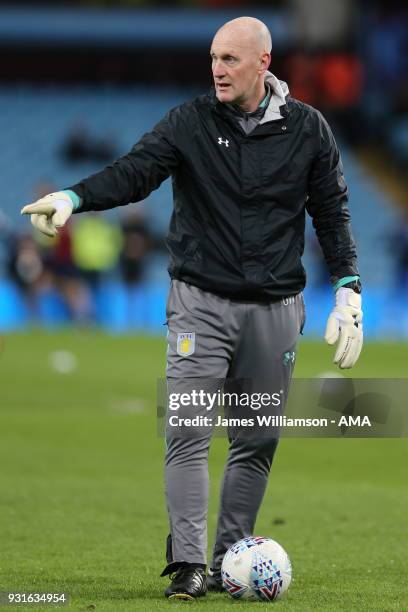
<point x="96" y="247"/>
<point x="27" y="262"/>
<point x="71" y="287"/>
<point x="41" y="264"/>
<point x="136" y="244"/>
<point x="26" y="268"/>
<point x="81" y="146"/>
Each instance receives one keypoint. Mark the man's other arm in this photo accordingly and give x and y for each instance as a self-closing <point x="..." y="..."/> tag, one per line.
<point x="327" y="204"/>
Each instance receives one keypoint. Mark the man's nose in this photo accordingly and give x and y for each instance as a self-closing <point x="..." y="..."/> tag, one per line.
<point x="218" y="69"/>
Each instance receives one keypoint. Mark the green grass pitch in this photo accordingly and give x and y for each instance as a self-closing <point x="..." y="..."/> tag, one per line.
<point x="81" y="496"/>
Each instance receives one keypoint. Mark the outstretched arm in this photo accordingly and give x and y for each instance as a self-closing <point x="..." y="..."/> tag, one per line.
<point x="129" y="179"/>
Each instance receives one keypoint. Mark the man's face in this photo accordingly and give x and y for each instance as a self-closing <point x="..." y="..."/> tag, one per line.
<point x="237" y="69"/>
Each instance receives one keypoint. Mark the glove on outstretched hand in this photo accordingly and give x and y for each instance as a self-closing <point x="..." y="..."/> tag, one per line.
<point x="50" y="212"/>
<point x="345" y="327"/>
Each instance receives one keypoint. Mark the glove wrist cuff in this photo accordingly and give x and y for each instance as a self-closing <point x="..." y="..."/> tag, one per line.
<point x="75" y="199"/>
<point x="352" y="282"/>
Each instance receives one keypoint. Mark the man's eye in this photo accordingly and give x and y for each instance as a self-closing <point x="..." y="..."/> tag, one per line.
<point x="227" y="60"/>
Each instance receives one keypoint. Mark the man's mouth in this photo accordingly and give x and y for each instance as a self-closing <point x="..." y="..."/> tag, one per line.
<point x="223" y="86"/>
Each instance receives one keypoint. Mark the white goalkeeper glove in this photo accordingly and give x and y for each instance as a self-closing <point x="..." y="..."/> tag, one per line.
<point x="345" y="326"/>
<point x="50" y="212"/>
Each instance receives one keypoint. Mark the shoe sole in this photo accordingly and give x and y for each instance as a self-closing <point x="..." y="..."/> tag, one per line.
<point x="182" y="596"/>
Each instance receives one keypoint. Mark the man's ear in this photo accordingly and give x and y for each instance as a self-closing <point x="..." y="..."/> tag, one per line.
<point x="265" y="61"/>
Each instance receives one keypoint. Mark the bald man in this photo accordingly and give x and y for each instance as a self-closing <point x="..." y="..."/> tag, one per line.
<point x="241" y="54"/>
<point x="246" y="162"/>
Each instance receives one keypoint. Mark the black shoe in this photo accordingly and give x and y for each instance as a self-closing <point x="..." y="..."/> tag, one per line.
<point x="187" y="583"/>
<point x="214" y="581"/>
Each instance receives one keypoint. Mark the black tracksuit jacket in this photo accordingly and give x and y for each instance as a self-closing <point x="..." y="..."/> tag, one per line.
<point x="238" y="223"/>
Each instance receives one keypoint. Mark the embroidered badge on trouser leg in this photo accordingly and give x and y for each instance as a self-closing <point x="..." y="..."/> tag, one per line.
<point x="185" y="344"/>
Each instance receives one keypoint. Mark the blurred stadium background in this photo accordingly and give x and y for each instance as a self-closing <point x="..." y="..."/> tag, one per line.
<point x="81" y="503"/>
<point x="80" y="82"/>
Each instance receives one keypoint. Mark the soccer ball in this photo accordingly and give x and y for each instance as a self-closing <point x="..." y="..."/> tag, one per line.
<point x="257" y="569"/>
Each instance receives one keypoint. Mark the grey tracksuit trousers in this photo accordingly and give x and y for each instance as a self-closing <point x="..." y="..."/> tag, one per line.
<point x="213" y="338"/>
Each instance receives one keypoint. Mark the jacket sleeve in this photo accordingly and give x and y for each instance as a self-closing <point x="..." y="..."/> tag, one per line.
<point x="132" y="177"/>
<point x="327" y="205"/>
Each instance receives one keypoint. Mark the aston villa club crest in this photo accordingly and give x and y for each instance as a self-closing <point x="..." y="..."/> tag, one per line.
<point x="186" y="344"/>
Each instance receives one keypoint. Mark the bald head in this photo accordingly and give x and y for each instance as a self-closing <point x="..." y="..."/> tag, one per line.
<point x="246" y="31"/>
<point x="241" y="54"/>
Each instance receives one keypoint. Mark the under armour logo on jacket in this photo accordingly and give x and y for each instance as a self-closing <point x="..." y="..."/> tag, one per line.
<point x="221" y="141"/>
